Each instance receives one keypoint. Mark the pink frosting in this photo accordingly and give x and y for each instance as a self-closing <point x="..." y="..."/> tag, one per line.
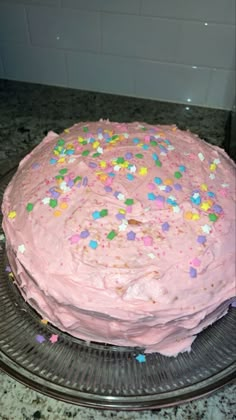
<point x="124" y="233"/>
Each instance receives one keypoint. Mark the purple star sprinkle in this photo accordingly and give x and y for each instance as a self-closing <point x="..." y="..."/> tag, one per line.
<point x="201" y="239"/>
<point x="129" y="155"/>
<point x="217" y="209"/>
<point x="92" y="165"/>
<point x="40" y="338"/>
<point x="160" y="198"/>
<point x="178" y="187"/>
<point x="84" y="234"/>
<point x="120" y="216"/>
<point x="165" y="227"/>
<point x="193" y="272"/>
<point x="107" y="188"/>
<point x="131" y="236"/>
<point x="70" y="183"/>
<point x="168" y="188"/>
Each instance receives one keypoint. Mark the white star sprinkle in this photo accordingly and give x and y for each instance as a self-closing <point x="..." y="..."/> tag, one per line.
<point x="132" y="168"/>
<point x="71" y="160"/>
<point x="100" y="150"/>
<point x="46" y="200"/>
<point x="123" y="226"/>
<point x="162" y="187"/>
<point x="206" y="229"/>
<point x="196" y="195"/>
<point x="126" y="135"/>
<point x="216" y="161"/>
<point x="212" y="176"/>
<point x="170" y="147"/>
<point x="116" y="168"/>
<point x="121" y="197"/>
<point x="201" y="157"/>
<point x="100" y="136"/>
<point x="21" y="248"/>
<point x="151" y="255"/>
<point x="225" y="185"/>
<point x="176" y="209"/>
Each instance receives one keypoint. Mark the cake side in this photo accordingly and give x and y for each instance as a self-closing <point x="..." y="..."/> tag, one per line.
<point x="124" y="233"/>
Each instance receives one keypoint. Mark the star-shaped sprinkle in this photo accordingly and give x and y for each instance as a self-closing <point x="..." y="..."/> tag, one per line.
<point x="46" y="200"/>
<point x="141" y="358"/>
<point x="201" y="239"/>
<point x="21" y="248"/>
<point x="151" y="255"/>
<point x="53" y="338"/>
<point x="131" y="236"/>
<point x="206" y="229"/>
<point x="93" y="244"/>
<point x="123" y="226"/>
<point x="176" y="209"/>
<point x="212" y="176"/>
<point x="205" y="206"/>
<point x="216" y="161"/>
<point x="74" y="239"/>
<point x="12" y="214"/>
<point x="40" y="338"/>
<point x="121" y="197"/>
<point x="147" y="240"/>
<point x="165" y="227"/>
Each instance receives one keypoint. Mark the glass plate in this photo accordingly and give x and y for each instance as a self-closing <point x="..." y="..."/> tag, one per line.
<point x="104" y="376"/>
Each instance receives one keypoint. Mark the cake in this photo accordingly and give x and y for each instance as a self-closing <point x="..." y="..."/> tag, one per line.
<point x="124" y="233"/>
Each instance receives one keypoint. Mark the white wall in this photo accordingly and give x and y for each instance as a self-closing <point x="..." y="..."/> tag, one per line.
<point x="173" y="50"/>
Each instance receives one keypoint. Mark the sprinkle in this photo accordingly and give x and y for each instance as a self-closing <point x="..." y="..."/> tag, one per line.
<point x="120" y="196"/>
<point x="216" y="161"/>
<point x="63" y="205"/>
<point x="123" y="226"/>
<point x="211" y="194"/>
<point x="212" y="217"/>
<point x="168" y="188"/>
<point x="12" y="215"/>
<point x="107" y="188"/>
<point x="196" y="262"/>
<point x="74" y="239"/>
<point x="84" y="234"/>
<point x="53" y="161"/>
<point x="120" y="216"/>
<point x="204" y="187"/>
<point x="212" y="167"/>
<point x="53" y="338"/>
<point x="139" y="155"/>
<point x="96" y="214"/>
<point x="143" y="170"/>
<point x="130" y="177"/>
<point x="151" y="196"/>
<point x="111" y="235"/>
<point x="188" y="215"/>
<point x="168" y="181"/>
<point x="85" y="153"/>
<point x="201" y="239"/>
<point x="177" y="175"/>
<point x="206" y="229"/>
<point x="63" y="171"/>
<point x="147" y="240"/>
<point x="205" y="206"/>
<point x="201" y="157"/>
<point x="212" y="176"/>
<point x="158" y="180"/>
<point x="132" y="168"/>
<point x="131" y="236"/>
<point x="158" y="163"/>
<point x="53" y="203"/>
<point x="165" y="227"/>
<point x="151" y="255"/>
<point x="217" y="209"/>
<point x="44" y="321"/>
<point x="57" y="213"/>
<point x="135" y="140"/>
<point x="195" y="216"/>
<point x="141" y="358"/>
<point x="182" y="168"/>
<point x="85" y="181"/>
<point x="176" y="209"/>
<point x="93" y="244"/>
<point x="40" y="338"/>
<point x="129" y="201"/>
<point x="92" y="165"/>
<point x="192" y="272"/>
<point x="29" y="207"/>
<point x="128" y="155"/>
<point x="46" y="200"/>
<point x="154" y="156"/>
<point x="21" y="248"/>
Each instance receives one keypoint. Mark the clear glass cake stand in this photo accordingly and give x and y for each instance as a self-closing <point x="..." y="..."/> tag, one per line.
<point x="104" y="376"/>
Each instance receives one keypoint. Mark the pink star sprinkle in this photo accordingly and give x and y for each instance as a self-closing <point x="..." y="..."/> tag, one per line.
<point x="53" y="338"/>
<point x="147" y="240"/>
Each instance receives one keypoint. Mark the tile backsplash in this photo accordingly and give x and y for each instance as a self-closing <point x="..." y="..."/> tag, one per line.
<point x="181" y="51"/>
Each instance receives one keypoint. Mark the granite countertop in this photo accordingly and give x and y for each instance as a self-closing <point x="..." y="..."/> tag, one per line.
<point x="27" y="113"/>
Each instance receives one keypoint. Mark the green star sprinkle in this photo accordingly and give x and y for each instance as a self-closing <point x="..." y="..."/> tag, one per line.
<point x="29" y="207"/>
<point x="213" y="217"/>
<point x="111" y="235"/>
<point x="129" y="201"/>
<point x="53" y="203"/>
<point x="85" y="153"/>
<point x="85" y="129"/>
<point x="61" y="142"/>
<point x="103" y="212"/>
<point x="158" y="163"/>
<point x="63" y="171"/>
<point x="177" y="175"/>
<point x="120" y="160"/>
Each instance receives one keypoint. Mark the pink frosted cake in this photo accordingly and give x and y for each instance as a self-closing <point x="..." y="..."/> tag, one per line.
<point x="124" y="233"/>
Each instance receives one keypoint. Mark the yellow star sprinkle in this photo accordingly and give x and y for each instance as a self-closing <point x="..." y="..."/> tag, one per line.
<point x="61" y="160"/>
<point x="204" y="187"/>
<point x="143" y="171"/>
<point x="195" y="216"/>
<point x="80" y="139"/>
<point x="44" y="321"/>
<point x="63" y="205"/>
<point x="212" y="167"/>
<point x="96" y="144"/>
<point x="12" y="215"/>
<point x="103" y="164"/>
<point x="57" y="213"/>
<point x="205" y="206"/>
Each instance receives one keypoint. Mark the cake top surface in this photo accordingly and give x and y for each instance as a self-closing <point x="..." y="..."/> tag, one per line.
<point x="143" y="215"/>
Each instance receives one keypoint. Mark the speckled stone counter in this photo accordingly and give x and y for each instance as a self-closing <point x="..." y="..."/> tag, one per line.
<point x="27" y="113"/>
